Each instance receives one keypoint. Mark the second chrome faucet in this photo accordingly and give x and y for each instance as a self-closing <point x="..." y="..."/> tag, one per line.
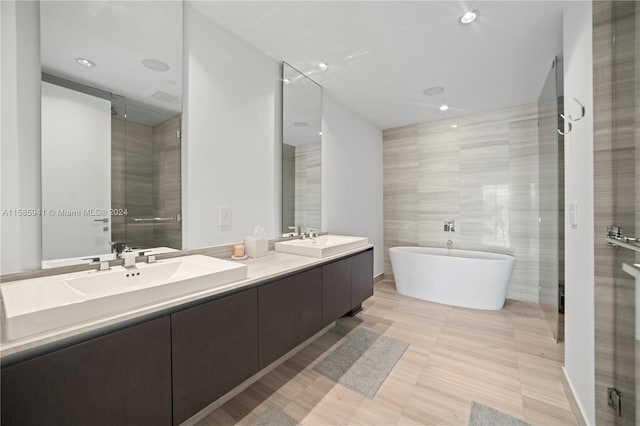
<point x="450" y="225"/>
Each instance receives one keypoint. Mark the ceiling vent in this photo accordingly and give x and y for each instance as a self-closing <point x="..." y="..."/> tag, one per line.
<point x="161" y="95"/>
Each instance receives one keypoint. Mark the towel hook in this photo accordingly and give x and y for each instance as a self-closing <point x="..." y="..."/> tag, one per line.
<point x="582" y="112"/>
<point x="567" y="121"/>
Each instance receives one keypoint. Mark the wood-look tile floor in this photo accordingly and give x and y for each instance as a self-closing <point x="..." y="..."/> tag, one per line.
<point x="505" y="359"/>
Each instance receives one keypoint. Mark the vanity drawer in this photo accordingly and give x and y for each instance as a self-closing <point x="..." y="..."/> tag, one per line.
<point x="215" y="348"/>
<point x="289" y="312"/>
<point x="122" y="378"/>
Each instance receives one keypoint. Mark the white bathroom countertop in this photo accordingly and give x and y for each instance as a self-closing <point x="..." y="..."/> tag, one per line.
<point x="273" y="265"/>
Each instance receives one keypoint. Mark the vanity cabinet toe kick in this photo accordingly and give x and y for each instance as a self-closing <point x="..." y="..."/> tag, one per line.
<point x="165" y="370"/>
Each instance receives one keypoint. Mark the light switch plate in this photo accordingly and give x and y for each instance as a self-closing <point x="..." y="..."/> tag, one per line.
<point x="224" y="216"/>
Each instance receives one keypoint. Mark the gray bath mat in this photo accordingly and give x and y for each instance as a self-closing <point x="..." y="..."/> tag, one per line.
<point x="363" y="362"/>
<point x="481" y="415"/>
<point x="274" y="417"/>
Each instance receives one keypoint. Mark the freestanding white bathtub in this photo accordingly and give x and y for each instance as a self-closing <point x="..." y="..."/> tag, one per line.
<point x="469" y="279"/>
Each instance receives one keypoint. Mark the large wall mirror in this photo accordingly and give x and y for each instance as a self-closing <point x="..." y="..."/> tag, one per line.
<point x="111" y="117"/>
<point x="301" y="152"/>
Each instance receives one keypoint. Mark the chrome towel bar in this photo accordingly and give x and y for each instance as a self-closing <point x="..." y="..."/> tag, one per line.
<point x="153" y="219"/>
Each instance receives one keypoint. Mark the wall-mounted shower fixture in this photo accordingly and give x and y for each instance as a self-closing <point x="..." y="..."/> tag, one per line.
<point x="450" y="225"/>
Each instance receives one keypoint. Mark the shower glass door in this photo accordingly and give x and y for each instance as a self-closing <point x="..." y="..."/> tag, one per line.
<point x="551" y="200"/>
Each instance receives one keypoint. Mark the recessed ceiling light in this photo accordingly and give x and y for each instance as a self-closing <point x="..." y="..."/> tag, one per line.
<point x="444" y="107"/>
<point x="286" y="81"/>
<point x="322" y="66"/>
<point x="469" y="17"/>
<point x="155" y="65"/>
<point x="85" y="62"/>
<point x="319" y="133"/>
<point x="432" y="91"/>
<point x="300" y="124"/>
<point x="454" y="125"/>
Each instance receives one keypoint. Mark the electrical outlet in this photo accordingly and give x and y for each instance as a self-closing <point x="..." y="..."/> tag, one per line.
<point x="224" y="216"/>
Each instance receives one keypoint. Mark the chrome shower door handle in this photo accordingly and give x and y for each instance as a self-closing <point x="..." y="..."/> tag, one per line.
<point x="615" y="238"/>
<point x="615" y="232"/>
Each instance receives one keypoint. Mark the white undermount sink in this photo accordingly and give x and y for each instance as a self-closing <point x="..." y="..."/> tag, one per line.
<point x="43" y="304"/>
<point x="323" y="246"/>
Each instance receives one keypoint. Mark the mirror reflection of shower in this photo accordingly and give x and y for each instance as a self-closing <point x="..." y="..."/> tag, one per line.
<point x="145" y="170"/>
<point x="129" y="87"/>
<point x="128" y="166"/>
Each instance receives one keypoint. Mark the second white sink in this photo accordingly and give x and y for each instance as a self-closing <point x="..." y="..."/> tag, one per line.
<point x="324" y="246"/>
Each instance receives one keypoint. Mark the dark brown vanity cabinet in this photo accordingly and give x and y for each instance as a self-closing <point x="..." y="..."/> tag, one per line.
<point x="346" y="283"/>
<point x="361" y="277"/>
<point x="165" y="370"/>
<point x="122" y="378"/>
<point x="336" y="290"/>
<point x="214" y="348"/>
<point x="289" y="312"/>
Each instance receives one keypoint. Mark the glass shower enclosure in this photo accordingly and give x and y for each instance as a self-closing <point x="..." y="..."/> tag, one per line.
<point x="551" y="200"/>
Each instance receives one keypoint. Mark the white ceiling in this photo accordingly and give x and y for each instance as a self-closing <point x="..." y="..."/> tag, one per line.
<point x="117" y="36"/>
<point x="383" y="54"/>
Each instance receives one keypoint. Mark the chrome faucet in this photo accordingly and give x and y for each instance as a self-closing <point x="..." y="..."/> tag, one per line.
<point x="293" y="231"/>
<point x="103" y="265"/>
<point x="117" y="247"/>
<point x="450" y="225"/>
<point x="129" y="257"/>
<point x="151" y="258"/>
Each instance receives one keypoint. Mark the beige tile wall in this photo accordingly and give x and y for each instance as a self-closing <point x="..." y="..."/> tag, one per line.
<point x="308" y="186"/>
<point x="167" y="198"/>
<point x="288" y="186"/>
<point x="483" y="173"/>
<point x="145" y="179"/>
<point x="118" y="222"/>
<point x="615" y="130"/>
<point x="138" y="183"/>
